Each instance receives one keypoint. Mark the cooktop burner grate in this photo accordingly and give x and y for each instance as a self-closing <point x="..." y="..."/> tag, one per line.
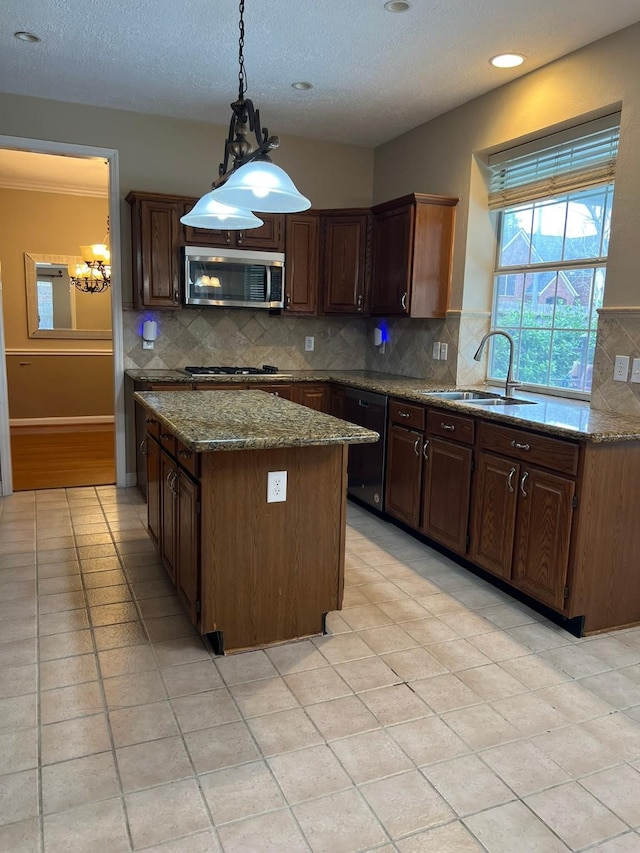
<point x="232" y="371"/>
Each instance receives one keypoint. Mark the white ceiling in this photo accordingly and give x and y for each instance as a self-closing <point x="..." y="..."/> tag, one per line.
<point x="375" y="74"/>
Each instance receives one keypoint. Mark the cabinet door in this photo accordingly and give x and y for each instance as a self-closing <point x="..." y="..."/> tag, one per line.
<point x="494" y="514"/>
<point x="156" y="253"/>
<point x="316" y="397"/>
<point x="187" y="575"/>
<point x="301" y="266"/>
<point x="343" y="263"/>
<point x="543" y="531"/>
<point x="153" y="487"/>
<point x="404" y="474"/>
<point x="269" y="236"/>
<point x="278" y="390"/>
<point x="392" y="259"/>
<point x="168" y="473"/>
<point x="446" y="490"/>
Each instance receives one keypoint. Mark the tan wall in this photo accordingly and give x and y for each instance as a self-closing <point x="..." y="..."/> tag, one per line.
<point x="60" y="386"/>
<point x="48" y="224"/>
<point x="165" y="155"/>
<point x="438" y="157"/>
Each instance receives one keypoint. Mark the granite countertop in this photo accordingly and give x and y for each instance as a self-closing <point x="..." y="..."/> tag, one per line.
<point x="554" y="415"/>
<point x="247" y="420"/>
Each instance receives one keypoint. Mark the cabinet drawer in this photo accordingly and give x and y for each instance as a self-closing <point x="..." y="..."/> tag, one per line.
<point x="457" y="427"/>
<point x="153" y="427"/>
<point x="189" y="460"/>
<point x="553" y="453"/>
<point x="406" y="415"/>
<point x="168" y="440"/>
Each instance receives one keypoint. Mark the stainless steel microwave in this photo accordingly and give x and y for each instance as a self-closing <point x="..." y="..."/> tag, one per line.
<point x="233" y="278"/>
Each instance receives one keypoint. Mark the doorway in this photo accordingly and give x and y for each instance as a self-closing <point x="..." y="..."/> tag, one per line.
<point x="61" y="391"/>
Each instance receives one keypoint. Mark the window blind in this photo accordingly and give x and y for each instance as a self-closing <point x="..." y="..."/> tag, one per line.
<point x="558" y="164"/>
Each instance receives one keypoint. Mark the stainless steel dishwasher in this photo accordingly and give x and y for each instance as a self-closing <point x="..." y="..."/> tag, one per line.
<point x="366" y="461"/>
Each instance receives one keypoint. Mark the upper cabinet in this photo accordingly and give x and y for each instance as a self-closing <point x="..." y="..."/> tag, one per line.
<point x="156" y="240"/>
<point x="412" y="253"/>
<point x="345" y="261"/>
<point x="301" y="264"/>
<point x="269" y="236"/>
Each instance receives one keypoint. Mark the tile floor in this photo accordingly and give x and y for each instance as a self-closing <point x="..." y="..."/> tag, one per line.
<point x="438" y="715"/>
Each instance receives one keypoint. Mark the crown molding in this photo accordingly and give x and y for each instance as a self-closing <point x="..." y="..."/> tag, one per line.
<point x="8" y="183"/>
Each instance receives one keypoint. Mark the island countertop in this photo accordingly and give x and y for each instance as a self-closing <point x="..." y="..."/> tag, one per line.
<point x="246" y="420"/>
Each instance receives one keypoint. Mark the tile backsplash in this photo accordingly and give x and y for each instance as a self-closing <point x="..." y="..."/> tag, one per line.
<point x="618" y="334"/>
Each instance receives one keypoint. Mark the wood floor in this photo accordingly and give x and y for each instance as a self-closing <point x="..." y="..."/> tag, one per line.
<point x="61" y="457"/>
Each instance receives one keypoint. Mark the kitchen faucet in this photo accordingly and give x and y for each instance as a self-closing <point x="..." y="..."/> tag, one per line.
<point x="510" y="383"/>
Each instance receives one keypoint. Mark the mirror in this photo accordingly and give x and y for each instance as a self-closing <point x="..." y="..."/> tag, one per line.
<point x="57" y="309"/>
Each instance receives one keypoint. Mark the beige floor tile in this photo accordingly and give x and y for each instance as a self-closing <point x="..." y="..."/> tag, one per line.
<point x="612" y="651"/>
<point x="181" y="650"/>
<point x="199" y="842"/>
<point x="64" y="703"/>
<point x="429" y="630"/>
<point x="343" y="647"/>
<point x="468" y="785"/>
<point x="576" y="751"/>
<point x="403" y="610"/>
<point x="241" y="792"/>
<point x="62" y="601"/>
<point x="406" y="803"/>
<point x="18" y="653"/>
<point x="203" y="710"/>
<point x="18" y="712"/>
<point x="169" y="627"/>
<point x="16" y="590"/>
<point x="529" y="713"/>
<point x="370" y="755"/>
<point x="165" y="812"/>
<point x="497" y="828"/>
<point x="540" y="636"/>
<point x="395" y="704"/>
<point x="21" y="837"/>
<point x="117" y="636"/>
<point x="18" y="680"/>
<point x="296" y="657"/>
<point x="451" y="838"/>
<point x="388" y="638"/>
<point x="222" y="746"/>
<point x="153" y="763"/>
<point x="524" y="767"/>
<point x="89" y="827"/>
<point x="365" y="616"/>
<point x="74" y="738"/>
<point x="619" y="790"/>
<point x="627" y="843"/>
<point x="440" y="603"/>
<point x="575" y="815"/>
<point x="265" y="696"/>
<point x="126" y="660"/>
<point x="353" y="597"/>
<point x="271" y="833"/>
<point x="575" y="702"/>
<point x="100" y="580"/>
<point x="309" y="773"/>
<point x="19" y="798"/>
<point x="339" y="823"/>
<point x="445" y="693"/>
<point x="69" y="582"/>
<point x="367" y="674"/>
<point x="64" y="672"/>
<point x="414" y="664"/>
<point x="576" y="660"/>
<point x="248" y="666"/>
<point x="138" y="688"/>
<point x="342" y="717"/>
<point x="18" y="750"/>
<point x="66" y="645"/>
<point x="17" y="629"/>
<point x="428" y="740"/>
<point x="114" y="614"/>
<point x="480" y="726"/>
<point x="284" y="731"/>
<point x="317" y="685"/>
<point x="142" y="723"/>
<point x="63" y="622"/>
<point x="534" y="672"/>
<point x="198" y="677"/>
<point x="79" y="781"/>
<point x="114" y="594"/>
<point x="615" y="688"/>
<point x="166" y="605"/>
<point x="618" y="732"/>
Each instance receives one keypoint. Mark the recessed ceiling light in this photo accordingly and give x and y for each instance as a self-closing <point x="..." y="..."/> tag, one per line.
<point x="301" y="84"/>
<point x="507" y="60"/>
<point x="22" y="35"/>
<point x="397" y="6"/>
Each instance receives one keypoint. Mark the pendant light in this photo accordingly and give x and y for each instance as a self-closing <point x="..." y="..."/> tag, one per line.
<point x="253" y="182"/>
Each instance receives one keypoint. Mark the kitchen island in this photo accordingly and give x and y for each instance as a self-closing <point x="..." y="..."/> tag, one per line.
<point x="250" y="572"/>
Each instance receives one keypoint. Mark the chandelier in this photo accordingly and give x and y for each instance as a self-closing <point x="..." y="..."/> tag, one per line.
<point x="252" y="182"/>
<point x="94" y="275"/>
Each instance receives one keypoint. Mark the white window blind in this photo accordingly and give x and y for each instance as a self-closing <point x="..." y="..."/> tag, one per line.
<point x="565" y="162"/>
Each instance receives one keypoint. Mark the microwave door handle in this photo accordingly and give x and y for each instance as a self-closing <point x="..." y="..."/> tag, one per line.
<point x="268" y="283"/>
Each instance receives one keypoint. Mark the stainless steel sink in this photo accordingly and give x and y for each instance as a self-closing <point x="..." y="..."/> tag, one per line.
<point x="501" y="401"/>
<point x="461" y="395"/>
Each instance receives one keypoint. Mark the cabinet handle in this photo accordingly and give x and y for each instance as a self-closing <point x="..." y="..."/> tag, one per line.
<point x="176" y="296"/>
<point x="449" y="427"/>
<point x="424" y="450"/>
<point x="150" y="421"/>
<point x="165" y="436"/>
<point x="288" y="300"/>
<point x="184" y="454"/>
<point x="359" y="302"/>
<point x="522" y="482"/>
<point x="415" y="446"/>
<point x="239" y="238"/>
<point x="143" y="447"/>
<point x="510" y="479"/>
<point x="403" y="301"/>
<point x="520" y="446"/>
<point x="404" y="414"/>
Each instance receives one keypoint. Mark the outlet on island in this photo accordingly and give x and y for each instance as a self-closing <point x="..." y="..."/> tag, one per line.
<point x="276" y="487"/>
<point x="309" y="343"/>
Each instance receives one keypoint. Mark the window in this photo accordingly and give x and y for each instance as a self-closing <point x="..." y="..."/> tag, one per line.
<point x="44" y="291"/>
<point x="554" y="219"/>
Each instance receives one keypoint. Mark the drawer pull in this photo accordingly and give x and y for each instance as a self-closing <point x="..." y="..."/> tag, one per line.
<point x="165" y="436"/>
<point x="522" y="482"/>
<point x="416" y="443"/>
<point x="143" y="447"/>
<point x="520" y="446"/>
<point x="150" y="421"/>
<point x="404" y="414"/>
<point x="450" y="427"/>
<point x="403" y="301"/>
<point x="184" y="454"/>
<point x="424" y="450"/>
<point x="359" y="302"/>
<point x="510" y="479"/>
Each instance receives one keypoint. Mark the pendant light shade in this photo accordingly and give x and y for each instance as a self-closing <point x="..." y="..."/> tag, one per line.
<point x="261" y="185"/>
<point x="208" y="212"/>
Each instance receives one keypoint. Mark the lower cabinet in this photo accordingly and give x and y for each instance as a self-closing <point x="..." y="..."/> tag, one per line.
<point x="404" y="474"/>
<point x="446" y="485"/>
<point x="152" y="458"/>
<point x="313" y="395"/>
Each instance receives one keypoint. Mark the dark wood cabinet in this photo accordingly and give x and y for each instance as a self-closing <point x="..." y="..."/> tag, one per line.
<point x="345" y="241"/>
<point x="495" y="514"/>
<point x="277" y="389"/>
<point x="152" y="462"/>
<point x="187" y="552"/>
<point x="446" y="486"/>
<point x="315" y="395"/>
<point x="269" y="237"/>
<point x="412" y="253"/>
<point x="404" y="474"/>
<point x="168" y="472"/>
<point x="156" y="240"/>
<point x="301" y="265"/>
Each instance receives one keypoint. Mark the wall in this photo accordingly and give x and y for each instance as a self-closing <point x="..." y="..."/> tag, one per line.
<point x="440" y="157"/>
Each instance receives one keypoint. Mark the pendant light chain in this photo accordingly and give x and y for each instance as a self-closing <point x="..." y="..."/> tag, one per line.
<point x="242" y="81"/>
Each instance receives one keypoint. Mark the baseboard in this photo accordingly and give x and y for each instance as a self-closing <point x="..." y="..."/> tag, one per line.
<point x="86" y="420"/>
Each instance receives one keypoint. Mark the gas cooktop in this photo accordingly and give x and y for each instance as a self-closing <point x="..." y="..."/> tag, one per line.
<point x="267" y="369"/>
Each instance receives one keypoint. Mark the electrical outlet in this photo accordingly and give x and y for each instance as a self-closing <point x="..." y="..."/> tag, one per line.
<point x="309" y="343"/>
<point x="635" y="370"/>
<point x="444" y="351"/>
<point x="147" y="344"/>
<point x="621" y="368"/>
<point x="436" y="350"/>
<point x="276" y="486"/>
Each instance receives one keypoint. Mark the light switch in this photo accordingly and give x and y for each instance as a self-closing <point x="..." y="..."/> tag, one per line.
<point x="621" y="368"/>
<point x="635" y="370"/>
<point x="444" y="351"/>
<point x="436" y="350"/>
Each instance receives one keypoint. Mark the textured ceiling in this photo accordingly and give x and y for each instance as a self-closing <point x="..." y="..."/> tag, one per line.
<point x="375" y="74"/>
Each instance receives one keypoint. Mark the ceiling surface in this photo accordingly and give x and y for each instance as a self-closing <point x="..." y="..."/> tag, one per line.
<point x="25" y="170"/>
<point x="375" y="74"/>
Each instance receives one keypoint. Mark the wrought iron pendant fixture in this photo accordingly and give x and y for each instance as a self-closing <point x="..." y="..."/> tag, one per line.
<point x="94" y="275"/>
<point x="252" y="181"/>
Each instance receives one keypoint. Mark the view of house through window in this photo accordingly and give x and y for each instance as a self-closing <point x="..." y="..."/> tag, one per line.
<point x="551" y="261"/>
